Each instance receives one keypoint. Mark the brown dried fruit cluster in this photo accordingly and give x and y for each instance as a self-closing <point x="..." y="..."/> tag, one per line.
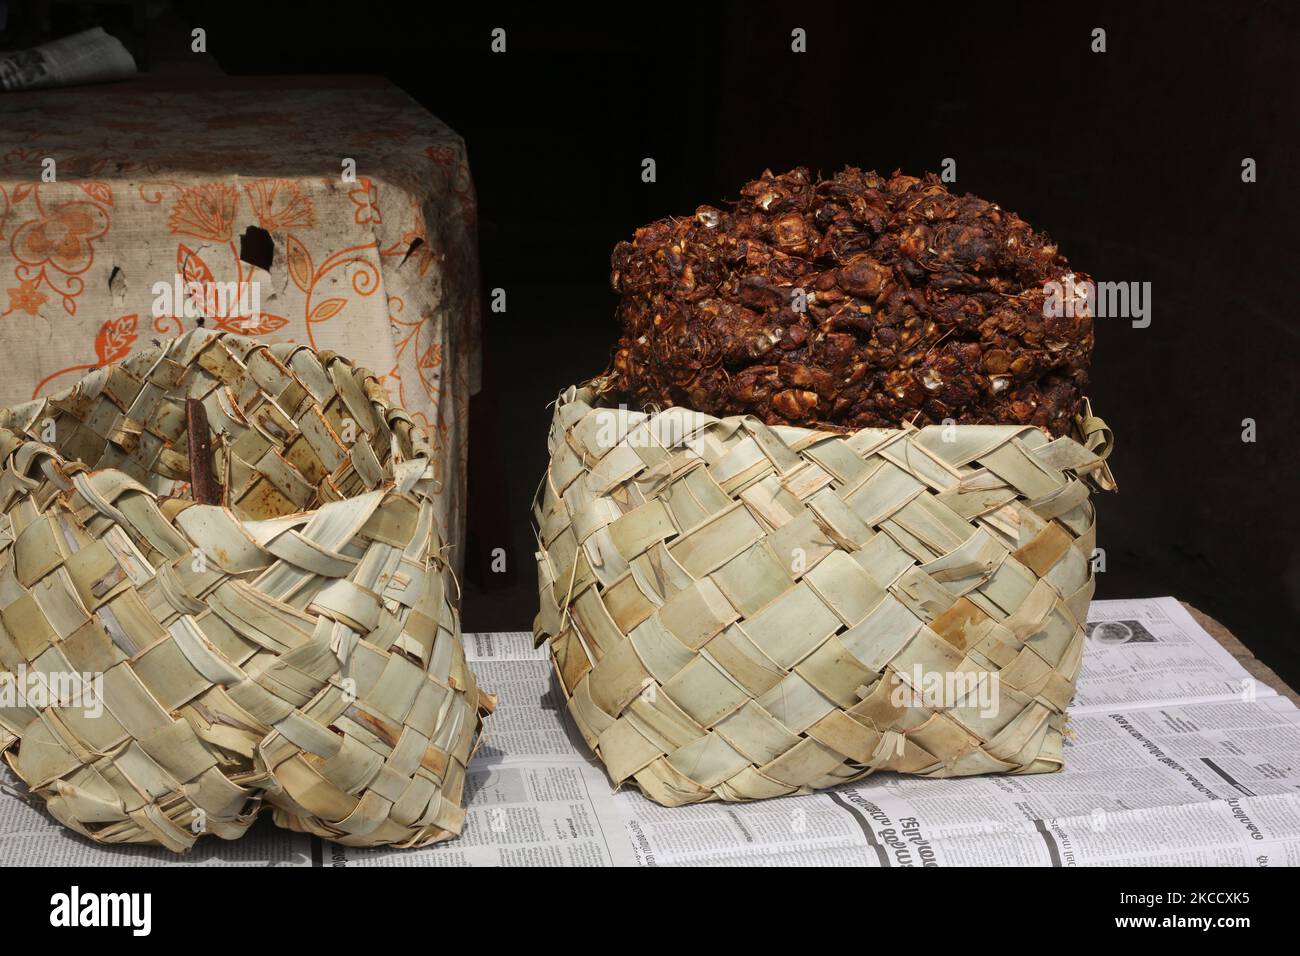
<point x="849" y="302"/>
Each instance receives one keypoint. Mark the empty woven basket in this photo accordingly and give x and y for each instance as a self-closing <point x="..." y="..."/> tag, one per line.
<point x="169" y="665"/>
<point x="739" y="611"/>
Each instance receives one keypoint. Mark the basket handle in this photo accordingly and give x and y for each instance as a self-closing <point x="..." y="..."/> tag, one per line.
<point x="1097" y="436"/>
<point x="1100" y="440"/>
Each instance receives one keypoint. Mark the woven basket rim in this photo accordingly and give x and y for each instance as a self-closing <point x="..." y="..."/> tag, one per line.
<point x="1090" y="431"/>
<point x="12" y="439"/>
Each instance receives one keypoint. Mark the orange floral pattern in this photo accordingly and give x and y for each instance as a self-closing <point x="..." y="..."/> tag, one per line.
<point x="63" y="238"/>
<point x="366" y="198"/>
<point x="53" y="249"/>
<point x="205" y="212"/>
<point x="383" y="269"/>
<point x="26" y="297"/>
<point x="280" y="204"/>
<point x="115" y="338"/>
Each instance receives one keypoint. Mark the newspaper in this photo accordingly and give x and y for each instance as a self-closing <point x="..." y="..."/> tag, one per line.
<point x="91" y="56"/>
<point x="1176" y="757"/>
<point x="1152" y="653"/>
<point x="534" y="797"/>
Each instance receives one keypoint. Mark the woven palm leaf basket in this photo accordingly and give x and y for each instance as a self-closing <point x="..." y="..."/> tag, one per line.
<point x="170" y="666"/>
<point x="739" y="611"/>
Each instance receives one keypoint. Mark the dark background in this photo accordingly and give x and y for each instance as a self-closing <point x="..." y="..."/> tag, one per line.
<point x="1130" y="159"/>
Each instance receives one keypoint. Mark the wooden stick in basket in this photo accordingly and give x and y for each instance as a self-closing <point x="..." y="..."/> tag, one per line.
<point x="203" y="485"/>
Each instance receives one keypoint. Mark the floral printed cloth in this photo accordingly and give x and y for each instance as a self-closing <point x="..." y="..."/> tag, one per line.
<point x="367" y="199"/>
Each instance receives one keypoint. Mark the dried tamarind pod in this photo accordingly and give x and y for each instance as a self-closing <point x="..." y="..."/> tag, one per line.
<point x="849" y="302"/>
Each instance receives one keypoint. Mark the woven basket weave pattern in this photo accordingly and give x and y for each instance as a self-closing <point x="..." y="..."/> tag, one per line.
<point x="733" y="608"/>
<point x="297" y="646"/>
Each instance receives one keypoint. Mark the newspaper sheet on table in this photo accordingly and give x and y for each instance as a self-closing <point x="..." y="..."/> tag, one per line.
<point x="1177" y="757"/>
<point x="91" y="56"/>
